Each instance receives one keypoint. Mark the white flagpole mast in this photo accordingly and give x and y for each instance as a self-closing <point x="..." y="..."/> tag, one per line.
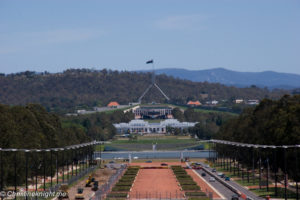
<point x="153" y="73"/>
<point x="152" y="84"/>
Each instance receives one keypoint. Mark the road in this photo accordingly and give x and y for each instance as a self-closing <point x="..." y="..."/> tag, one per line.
<point x="231" y="183"/>
<point x="153" y="154"/>
<point x="218" y="186"/>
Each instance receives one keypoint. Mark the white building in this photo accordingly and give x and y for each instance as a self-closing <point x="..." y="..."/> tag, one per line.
<point x="213" y="102"/>
<point x="253" y="102"/>
<point x="141" y="126"/>
<point x="237" y="101"/>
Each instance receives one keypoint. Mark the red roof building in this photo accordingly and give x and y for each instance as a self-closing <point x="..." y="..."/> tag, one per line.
<point x="194" y="103"/>
<point x="113" y="104"/>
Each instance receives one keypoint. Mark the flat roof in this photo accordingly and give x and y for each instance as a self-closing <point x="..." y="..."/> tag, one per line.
<point x="155" y="107"/>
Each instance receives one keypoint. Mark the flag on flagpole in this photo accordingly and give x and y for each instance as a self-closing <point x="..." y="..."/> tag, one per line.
<point x="149" y="62"/>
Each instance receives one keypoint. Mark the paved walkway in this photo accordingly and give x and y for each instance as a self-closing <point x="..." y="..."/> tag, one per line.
<point x="156" y="184"/>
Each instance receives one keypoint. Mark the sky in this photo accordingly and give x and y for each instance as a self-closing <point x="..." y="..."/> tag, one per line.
<point x="240" y="35"/>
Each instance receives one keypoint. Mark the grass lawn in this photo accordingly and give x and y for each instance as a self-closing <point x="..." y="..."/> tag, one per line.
<point x="240" y="181"/>
<point x="157" y="140"/>
<point x="199" y="109"/>
<point x="271" y="193"/>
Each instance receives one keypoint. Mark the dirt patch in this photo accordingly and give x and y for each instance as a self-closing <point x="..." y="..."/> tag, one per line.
<point x="100" y="175"/>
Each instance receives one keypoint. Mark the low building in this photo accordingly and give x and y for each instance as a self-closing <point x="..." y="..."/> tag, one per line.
<point x="237" y="101"/>
<point x="141" y="126"/>
<point x="194" y="103"/>
<point x="213" y="102"/>
<point x="253" y="102"/>
<point x="113" y="104"/>
<point x="152" y="112"/>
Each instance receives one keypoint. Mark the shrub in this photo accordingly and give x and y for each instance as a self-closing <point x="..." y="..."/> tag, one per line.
<point x="124" y="184"/>
<point x="121" y="188"/>
<point x="128" y="176"/>
<point x="117" y="195"/>
<point x="190" y="187"/>
<point x="188" y="178"/>
<point x="195" y="194"/>
<point x="188" y="183"/>
<point x="126" y="180"/>
<point x="183" y="176"/>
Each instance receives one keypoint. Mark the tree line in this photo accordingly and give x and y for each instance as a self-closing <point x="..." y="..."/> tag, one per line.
<point x="98" y="126"/>
<point x="32" y="127"/>
<point x="272" y="122"/>
<point x="208" y="124"/>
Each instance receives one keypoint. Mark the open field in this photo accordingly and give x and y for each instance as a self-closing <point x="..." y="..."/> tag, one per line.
<point x="162" y="143"/>
<point x="157" y="140"/>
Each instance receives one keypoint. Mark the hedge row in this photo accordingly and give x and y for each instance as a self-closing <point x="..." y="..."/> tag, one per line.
<point x="121" y="188"/>
<point x="125" y="183"/>
<point x="195" y="194"/>
<point x="190" y="187"/>
<point x="117" y="195"/>
<point x="186" y="181"/>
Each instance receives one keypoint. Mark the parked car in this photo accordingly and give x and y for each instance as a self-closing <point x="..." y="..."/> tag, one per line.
<point x="197" y="167"/>
<point x="203" y="174"/>
<point x="235" y="197"/>
<point x="227" y="178"/>
<point x="163" y="164"/>
<point x="149" y="161"/>
<point x="214" y="170"/>
<point x="212" y="179"/>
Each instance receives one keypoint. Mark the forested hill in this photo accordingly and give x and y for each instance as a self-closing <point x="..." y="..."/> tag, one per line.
<point x="84" y="87"/>
<point x="32" y="127"/>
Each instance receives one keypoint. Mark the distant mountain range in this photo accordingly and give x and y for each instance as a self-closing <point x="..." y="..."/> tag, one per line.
<point x="268" y="79"/>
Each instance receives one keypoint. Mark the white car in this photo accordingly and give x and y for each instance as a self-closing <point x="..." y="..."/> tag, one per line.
<point x="135" y="157"/>
<point x="220" y="174"/>
<point x="212" y="179"/>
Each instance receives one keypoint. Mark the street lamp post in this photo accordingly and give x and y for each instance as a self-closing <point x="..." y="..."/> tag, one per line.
<point x="26" y="173"/>
<point x="285" y="173"/>
<point x="51" y="169"/>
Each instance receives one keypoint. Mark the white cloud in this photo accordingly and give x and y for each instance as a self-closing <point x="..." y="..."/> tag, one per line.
<point x="182" y="22"/>
<point x="15" y="42"/>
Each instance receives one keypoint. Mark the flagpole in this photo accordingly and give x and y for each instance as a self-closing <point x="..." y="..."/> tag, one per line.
<point x="153" y="73"/>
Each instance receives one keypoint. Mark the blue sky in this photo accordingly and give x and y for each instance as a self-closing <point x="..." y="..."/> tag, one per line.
<point x="242" y="35"/>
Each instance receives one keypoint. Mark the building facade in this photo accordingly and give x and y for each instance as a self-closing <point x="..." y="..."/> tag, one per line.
<point x="153" y="112"/>
<point x="141" y="126"/>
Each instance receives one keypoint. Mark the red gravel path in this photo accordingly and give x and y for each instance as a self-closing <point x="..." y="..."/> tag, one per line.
<point x="155" y="184"/>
